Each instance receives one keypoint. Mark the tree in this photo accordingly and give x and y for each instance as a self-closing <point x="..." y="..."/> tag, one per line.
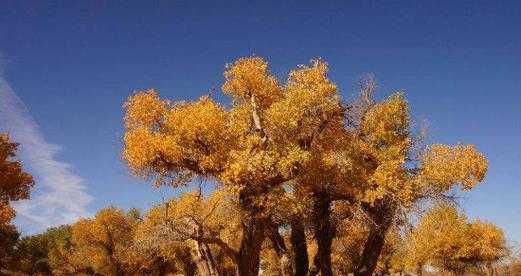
<point x="445" y="239"/>
<point x="491" y="245"/>
<point x="512" y="267"/>
<point x="371" y="159"/>
<point x="45" y="253"/>
<point x="187" y="231"/>
<point x="297" y="140"/>
<point x="102" y="244"/>
<point x="398" y="178"/>
<point x="261" y="142"/>
<point x="15" y="184"/>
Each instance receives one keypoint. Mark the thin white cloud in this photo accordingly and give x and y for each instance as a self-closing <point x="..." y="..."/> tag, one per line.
<point x="59" y="195"/>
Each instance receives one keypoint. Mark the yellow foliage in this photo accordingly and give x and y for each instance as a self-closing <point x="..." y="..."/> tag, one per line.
<point x="103" y="243"/>
<point x="258" y="143"/>
<point x="443" y="166"/>
<point x="444" y="238"/>
<point x="15" y="184"/>
<point x="278" y="144"/>
<point x="249" y="77"/>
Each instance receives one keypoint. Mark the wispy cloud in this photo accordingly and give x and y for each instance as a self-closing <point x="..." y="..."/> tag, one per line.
<point x="59" y="195"/>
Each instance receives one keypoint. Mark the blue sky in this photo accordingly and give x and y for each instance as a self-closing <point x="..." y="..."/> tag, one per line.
<point x="68" y="66"/>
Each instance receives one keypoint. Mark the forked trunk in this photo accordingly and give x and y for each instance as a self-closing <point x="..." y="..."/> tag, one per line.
<point x="382" y="215"/>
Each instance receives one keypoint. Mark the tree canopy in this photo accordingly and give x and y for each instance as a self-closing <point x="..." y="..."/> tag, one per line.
<point x="304" y="183"/>
<point x="15" y="184"/>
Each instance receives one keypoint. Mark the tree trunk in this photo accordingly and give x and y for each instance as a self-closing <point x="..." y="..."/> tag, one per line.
<point x="372" y="249"/>
<point x="188" y="268"/>
<point x="204" y="260"/>
<point x="254" y="223"/>
<point x="248" y="259"/>
<point x="324" y="234"/>
<point x="280" y="249"/>
<point x="382" y="215"/>
<point x="300" y="248"/>
<point x="187" y="261"/>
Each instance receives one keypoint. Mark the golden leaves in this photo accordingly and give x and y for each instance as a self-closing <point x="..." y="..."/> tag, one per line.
<point x="178" y="140"/>
<point x="310" y="104"/>
<point x="15" y="184"/>
<point x="249" y="77"/>
<point x="385" y="128"/>
<point x="298" y="135"/>
<point x="443" y="166"/>
<point x="446" y="239"/>
<point x="144" y="109"/>
<point x="385" y="143"/>
<point x="174" y="140"/>
<point x="103" y="243"/>
<point x="302" y="125"/>
<point x="7" y="213"/>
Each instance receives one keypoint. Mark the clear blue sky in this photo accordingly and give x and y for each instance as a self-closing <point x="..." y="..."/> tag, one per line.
<point x="73" y="64"/>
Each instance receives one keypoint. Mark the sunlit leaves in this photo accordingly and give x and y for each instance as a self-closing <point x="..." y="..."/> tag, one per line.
<point x="444" y="238"/>
<point x="15" y="184"/>
<point x="442" y="166"/>
<point x="102" y="244"/>
<point x="249" y="77"/>
<point x="277" y="144"/>
<point x="174" y="141"/>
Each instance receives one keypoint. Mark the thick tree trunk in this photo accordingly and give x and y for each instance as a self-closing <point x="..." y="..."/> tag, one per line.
<point x="119" y="268"/>
<point x="254" y="223"/>
<point x="204" y="260"/>
<point x="300" y="248"/>
<point x="162" y="269"/>
<point x="373" y="248"/>
<point x="382" y="215"/>
<point x="187" y="261"/>
<point x="324" y="234"/>
<point x="248" y="259"/>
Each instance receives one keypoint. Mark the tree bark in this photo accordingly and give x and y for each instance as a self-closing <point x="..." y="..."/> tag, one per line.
<point x="324" y="234"/>
<point x="373" y="248"/>
<point x="204" y="260"/>
<point x="188" y="268"/>
<point x="248" y="259"/>
<point x="187" y="261"/>
<point x="300" y="249"/>
<point x="382" y="215"/>
<point x="254" y="223"/>
<point x="280" y="249"/>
